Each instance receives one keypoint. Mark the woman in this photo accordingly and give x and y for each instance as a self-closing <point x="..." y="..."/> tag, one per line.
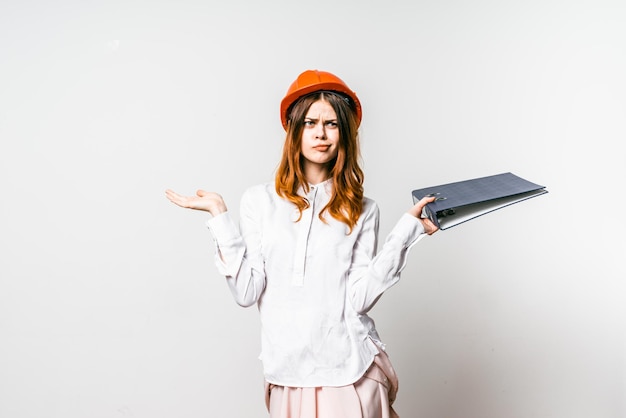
<point x="305" y="253"/>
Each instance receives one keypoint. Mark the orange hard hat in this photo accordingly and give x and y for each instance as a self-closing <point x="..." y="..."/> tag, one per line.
<point x="311" y="81"/>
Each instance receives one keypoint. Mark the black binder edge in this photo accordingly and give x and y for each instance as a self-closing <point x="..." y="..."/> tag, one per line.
<point x="488" y="206"/>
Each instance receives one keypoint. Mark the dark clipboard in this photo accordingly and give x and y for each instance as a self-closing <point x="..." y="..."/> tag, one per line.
<point x="462" y="201"/>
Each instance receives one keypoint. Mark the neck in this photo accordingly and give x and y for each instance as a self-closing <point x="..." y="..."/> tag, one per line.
<point x="315" y="173"/>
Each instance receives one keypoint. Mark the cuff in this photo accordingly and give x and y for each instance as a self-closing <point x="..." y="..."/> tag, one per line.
<point x="222" y="227"/>
<point x="407" y="231"/>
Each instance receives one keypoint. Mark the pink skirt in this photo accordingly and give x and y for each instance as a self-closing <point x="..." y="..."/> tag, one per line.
<point x="369" y="397"/>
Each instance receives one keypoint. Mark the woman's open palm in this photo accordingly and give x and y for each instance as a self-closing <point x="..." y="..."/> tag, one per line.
<point x="208" y="201"/>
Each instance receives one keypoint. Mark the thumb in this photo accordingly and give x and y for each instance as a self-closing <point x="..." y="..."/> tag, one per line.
<point x="201" y="193"/>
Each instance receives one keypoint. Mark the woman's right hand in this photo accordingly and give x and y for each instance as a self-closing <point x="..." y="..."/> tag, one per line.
<point x="207" y="201"/>
<point x="429" y="227"/>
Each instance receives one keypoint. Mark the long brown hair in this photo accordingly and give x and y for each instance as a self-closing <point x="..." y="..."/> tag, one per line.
<point x="346" y="202"/>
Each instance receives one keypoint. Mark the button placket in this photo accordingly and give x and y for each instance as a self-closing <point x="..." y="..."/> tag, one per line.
<point x="304" y="228"/>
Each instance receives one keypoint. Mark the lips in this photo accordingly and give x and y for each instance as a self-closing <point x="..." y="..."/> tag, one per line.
<point x="321" y="147"/>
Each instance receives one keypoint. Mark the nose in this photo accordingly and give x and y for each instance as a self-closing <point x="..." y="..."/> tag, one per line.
<point x="320" y="130"/>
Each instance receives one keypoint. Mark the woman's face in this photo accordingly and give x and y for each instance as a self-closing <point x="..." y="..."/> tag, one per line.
<point x="320" y="136"/>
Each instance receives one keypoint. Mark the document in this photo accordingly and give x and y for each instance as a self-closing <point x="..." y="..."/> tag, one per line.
<point x="462" y="201"/>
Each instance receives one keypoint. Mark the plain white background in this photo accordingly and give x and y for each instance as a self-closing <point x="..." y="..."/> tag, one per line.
<point x="110" y="305"/>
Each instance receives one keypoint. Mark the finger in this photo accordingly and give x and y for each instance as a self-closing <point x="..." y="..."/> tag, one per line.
<point x="426" y="200"/>
<point x="429" y="227"/>
<point x="177" y="199"/>
<point x="423" y="202"/>
<point x="171" y="192"/>
<point x="171" y="195"/>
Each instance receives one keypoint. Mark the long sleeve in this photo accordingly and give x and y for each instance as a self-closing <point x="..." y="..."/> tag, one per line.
<point x="238" y="252"/>
<point x="370" y="273"/>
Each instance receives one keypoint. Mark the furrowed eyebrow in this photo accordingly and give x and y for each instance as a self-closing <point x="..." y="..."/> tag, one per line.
<point x="325" y="120"/>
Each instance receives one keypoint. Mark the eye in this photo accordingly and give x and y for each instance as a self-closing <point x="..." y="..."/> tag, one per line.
<point x="331" y="124"/>
<point x="309" y="123"/>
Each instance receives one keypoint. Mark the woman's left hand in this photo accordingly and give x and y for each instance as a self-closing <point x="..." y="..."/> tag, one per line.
<point x="429" y="227"/>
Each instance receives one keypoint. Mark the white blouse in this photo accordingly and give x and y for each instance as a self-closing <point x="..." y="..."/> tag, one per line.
<point x="312" y="281"/>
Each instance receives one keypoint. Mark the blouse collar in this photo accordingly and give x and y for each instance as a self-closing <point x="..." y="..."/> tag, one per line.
<point x="326" y="185"/>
